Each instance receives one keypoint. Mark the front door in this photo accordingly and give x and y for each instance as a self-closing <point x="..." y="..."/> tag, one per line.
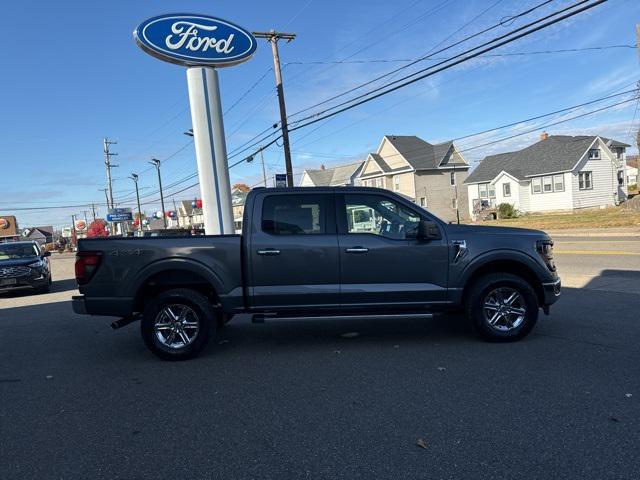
<point x="382" y="262"/>
<point x="293" y="252"/>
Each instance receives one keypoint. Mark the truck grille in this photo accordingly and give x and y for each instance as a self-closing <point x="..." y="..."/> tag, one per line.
<point x="7" y="272"/>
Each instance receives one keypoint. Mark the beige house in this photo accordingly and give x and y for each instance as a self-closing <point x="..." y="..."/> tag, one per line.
<point x="340" y="176"/>
<point x="432" y="176"/>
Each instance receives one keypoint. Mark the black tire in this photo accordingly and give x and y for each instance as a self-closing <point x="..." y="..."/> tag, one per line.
<point x="198" y="309"/>
<point x="509" y="326"/>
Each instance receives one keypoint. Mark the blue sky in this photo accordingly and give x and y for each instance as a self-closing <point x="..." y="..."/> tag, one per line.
<point x="73" y="74"/>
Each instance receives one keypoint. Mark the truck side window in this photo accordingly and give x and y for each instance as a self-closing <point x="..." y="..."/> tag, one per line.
<point x="294" y="215"/>
<point x="381" y="216"/>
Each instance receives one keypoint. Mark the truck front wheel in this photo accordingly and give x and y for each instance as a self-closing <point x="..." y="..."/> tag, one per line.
<point x="178" y="323"/>
<point x="502" y="307"/>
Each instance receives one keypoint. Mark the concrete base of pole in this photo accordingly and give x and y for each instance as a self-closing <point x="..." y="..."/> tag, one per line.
<point x="211" y="150"/>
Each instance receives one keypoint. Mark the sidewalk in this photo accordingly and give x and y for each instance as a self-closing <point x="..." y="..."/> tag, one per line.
<point x="596" y="232"/>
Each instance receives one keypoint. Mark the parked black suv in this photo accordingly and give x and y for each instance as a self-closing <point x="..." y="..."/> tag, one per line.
<point x="24" y="265"/>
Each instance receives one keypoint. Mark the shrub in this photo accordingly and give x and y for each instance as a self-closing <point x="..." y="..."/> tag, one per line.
<point x="507" y="210"/>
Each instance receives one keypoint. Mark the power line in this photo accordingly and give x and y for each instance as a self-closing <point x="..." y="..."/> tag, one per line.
<point x="530" y="119"/>
<point x="550" y="125"/>
<point x="427" y="56"/>
<point x="251" y="88"/>
<point x="512" y="54"/>
<point x="327" y="113"/>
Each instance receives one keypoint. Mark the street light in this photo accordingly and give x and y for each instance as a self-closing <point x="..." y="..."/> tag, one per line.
<point x="156" y="163"/>
<point x="189" y="133"/>
<point x="134" y="177"/>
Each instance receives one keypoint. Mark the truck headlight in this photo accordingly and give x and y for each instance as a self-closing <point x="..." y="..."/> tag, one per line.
<point x="545" y="250"/>
<point x="36" y="264"/>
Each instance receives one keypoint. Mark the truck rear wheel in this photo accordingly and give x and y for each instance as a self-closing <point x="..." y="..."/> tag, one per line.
<point x="502" y="307"/>
<point x="177" y="324"/>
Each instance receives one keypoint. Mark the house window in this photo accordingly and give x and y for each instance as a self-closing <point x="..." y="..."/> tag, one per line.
<point x="620" y="178"/>
<point x="452" y="178"/>
<point x="379" y="182"/>
<point x="396" y="183"/>
<point x="482" y="190"/>
<point x="492" y="191"/>
<point x="423" y="202"/>
<point x="594" y="153"/>
<point x="454" y="203"/>
<point x="558" y="183"/>
<point x="585" y="181"/>
<point x="506" y="189"/>
<point x="547" y="184"/>
<point x="536" y="185"/>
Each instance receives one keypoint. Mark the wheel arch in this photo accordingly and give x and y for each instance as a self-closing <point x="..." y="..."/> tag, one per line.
<point x="514" y="264"/>
<point x="175" y="273"/>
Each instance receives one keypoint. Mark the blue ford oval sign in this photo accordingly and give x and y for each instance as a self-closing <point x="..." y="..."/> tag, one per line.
<point x="188" y="39"/>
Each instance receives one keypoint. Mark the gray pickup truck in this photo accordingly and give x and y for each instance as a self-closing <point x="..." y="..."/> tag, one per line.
<point x="314" y="253"/>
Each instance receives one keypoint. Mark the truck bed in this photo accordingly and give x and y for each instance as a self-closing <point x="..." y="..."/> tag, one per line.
<point x="129" y="263"/>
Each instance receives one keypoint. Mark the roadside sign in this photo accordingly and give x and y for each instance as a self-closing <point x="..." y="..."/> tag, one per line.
<point x="203" y="44"/>
<point x="281" y="180"/>
<point x="195" y="40"/>
<point x="81" y="225"/>
<point x="119" y="215"/>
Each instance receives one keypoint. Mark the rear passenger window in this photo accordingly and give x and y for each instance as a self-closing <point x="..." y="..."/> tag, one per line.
<point x="294" y="215"/>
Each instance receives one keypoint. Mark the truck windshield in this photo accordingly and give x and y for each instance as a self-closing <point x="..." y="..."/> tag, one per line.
<point x="10" y="251"/>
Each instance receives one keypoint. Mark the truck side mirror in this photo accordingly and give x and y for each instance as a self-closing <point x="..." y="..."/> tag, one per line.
<point x="46" y="254"/>
<point x="428" y="230"/>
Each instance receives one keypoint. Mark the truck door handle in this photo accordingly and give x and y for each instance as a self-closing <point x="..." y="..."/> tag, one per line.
<point x="269" y="251"/>
<point x="357" y="250"/>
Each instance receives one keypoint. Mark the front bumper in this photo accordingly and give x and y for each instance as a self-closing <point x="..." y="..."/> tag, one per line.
<point x="552" y="291"/>
<point x="24" y="282"/>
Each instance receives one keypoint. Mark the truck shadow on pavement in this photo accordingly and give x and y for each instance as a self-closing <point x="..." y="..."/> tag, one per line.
<point x="582" y="315"/>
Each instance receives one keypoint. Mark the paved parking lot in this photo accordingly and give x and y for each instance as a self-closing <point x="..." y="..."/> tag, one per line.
<point x="299" y="400"/>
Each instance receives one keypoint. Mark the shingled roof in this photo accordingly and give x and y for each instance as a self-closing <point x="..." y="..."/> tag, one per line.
<point x="337" y="176"/>
<point x="558" y="153"/>
<point x="419" y="154"/>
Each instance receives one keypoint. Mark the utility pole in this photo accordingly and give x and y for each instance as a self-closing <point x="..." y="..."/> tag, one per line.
<point x="93" y="209"/>
<point x="264" y="173"/>
<point x="134" y="177"/>
<point x="73" y="228"/>
<point x="156" y="163"/>
<point x="273" y="37"/>
<point x="86" y="221"/>
<point x="107" y="161"/>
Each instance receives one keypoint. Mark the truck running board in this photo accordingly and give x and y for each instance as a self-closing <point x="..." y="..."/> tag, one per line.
<point x="261" y="317"/>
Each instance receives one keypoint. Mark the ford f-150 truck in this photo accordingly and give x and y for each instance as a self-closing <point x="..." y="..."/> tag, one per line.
<point x="319" y="252"/>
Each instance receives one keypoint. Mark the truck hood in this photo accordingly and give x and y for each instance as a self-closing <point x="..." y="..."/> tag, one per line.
<point x="490" y="230"/>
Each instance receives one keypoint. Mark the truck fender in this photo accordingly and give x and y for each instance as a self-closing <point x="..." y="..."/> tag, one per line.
<point x="500" y="256"/>
<point x="185" y="264"/>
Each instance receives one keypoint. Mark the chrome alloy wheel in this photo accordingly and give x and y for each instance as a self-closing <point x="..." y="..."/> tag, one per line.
<point x="176" y="326"/>
<point x="504" y="309"/>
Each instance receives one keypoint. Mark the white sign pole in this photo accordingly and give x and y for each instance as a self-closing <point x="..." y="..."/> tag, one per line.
<point x="211" y="150"/>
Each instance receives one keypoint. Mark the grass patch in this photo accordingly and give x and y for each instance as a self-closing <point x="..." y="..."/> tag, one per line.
<point x="605" y="218"/>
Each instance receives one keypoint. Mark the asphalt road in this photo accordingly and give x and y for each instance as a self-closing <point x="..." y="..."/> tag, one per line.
<point x="298" y="400"/>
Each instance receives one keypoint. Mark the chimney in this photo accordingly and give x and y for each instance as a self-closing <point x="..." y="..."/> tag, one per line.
<point x="321" y="167"/>
<point x="544" y="135"/>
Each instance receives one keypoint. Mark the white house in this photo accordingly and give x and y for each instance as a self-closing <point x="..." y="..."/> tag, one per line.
<point x="557" y="173"/>
<point x="340" y="176"/>
<point x="632" y="169"/>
